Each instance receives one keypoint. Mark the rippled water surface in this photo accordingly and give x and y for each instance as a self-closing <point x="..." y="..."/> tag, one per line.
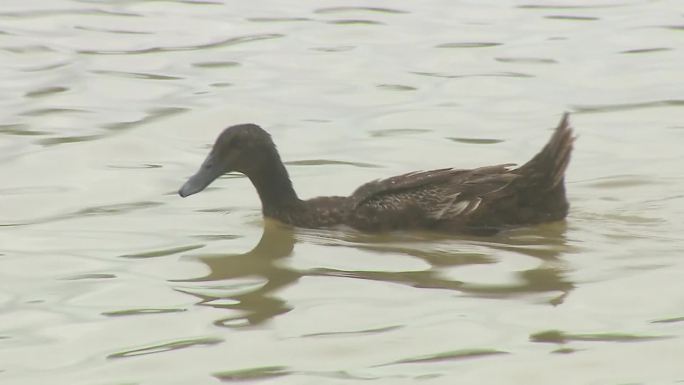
<point x="108" y="277"/>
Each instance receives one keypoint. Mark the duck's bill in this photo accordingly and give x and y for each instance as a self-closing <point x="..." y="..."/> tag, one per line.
<point x="202" y="178"/>
<point x="195" y="184"/>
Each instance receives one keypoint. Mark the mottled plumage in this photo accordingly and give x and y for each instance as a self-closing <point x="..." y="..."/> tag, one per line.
<point x="480" y="200"/>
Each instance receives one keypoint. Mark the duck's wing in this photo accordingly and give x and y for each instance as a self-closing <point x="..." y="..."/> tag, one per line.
<point x="440" y="194"/>
<point x="474" y="190"/>
<point x="402" y="183"/>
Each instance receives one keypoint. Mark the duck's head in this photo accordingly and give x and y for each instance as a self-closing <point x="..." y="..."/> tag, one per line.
<point x="245" y="148"/>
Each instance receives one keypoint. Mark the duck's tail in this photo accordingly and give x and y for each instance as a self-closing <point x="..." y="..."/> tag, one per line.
<point x="546" y="170"/>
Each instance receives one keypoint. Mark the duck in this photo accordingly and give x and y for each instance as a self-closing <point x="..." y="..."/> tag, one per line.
<point x="480" y="201"/>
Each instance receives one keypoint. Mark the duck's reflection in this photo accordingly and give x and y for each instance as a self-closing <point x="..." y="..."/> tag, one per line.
<point x="255" y="306"/>
<point x="258" y="305"/>
<point x="546" y="243"/>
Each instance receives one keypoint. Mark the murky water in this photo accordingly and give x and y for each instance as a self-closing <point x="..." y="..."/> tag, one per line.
<point x="108" y="277"/>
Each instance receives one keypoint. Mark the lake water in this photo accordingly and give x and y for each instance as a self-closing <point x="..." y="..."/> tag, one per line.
<point x="108" y="277"/>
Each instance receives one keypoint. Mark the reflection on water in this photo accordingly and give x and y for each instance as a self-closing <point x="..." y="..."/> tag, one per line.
<point x="258" y="302"/>
<point x="545" y="243"/>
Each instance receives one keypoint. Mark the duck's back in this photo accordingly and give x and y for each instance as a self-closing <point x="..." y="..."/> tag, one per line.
<point x="480" y="200"/>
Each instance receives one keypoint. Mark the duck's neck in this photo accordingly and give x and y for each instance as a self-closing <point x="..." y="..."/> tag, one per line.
<point x="275" y="189"/>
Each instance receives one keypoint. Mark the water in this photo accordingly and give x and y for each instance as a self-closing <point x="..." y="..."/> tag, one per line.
<point x="108" y="277"/>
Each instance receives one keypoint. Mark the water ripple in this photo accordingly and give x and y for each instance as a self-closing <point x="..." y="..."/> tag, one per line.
<point x="114" y="31"/>
<point x="81" y="277"/>
<point x="468" y="45"/>
<point x="339" y="48"/>
<point x="669" y="320"/>
<point x="20" y="130"/>
<point x="572" y="18"/>
<point x="104" y="210"/>
<point x="137" y="75"/>
<point x="277" y="19"/>
<point x="560" y="337"/>
<point x="552" y="6"/>
<point x="162" y="253"/>
<point x="396" y="87"/>
<point x="129" y="312"/>
<point x="153" y="115"/>
<point x="166" y="347"/>
<point x="355" y="332"/>
<point x="646" y="50"/>
<point x="252" y="374"/>
<point x="622" y="181"/>
<point x="526" y="60"/>
<point x="449" y="356"/>
<point x="325" y="162"/>
<point x="354" y="22"/>
<point x="216" y="64"/>
<point x="45" y="91"/>
<point x="598" y="108"/>
<point x="54" y="111"/>
<point x="46" y="67"/>
<point x="221" y="43"/>
<point x="485" y="75"/>
<point x="69" y="139"/>
<point x="359" y="9"/>
<point x="36" y="13"/>
<point x="476" y="140"/>
<point x="27" y="49"/>
<point x="392" y="132"/>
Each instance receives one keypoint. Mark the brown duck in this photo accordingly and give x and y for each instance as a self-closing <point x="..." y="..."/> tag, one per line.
<point x="482" y="200"/>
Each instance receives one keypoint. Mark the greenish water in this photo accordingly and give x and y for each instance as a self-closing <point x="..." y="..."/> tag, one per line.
<point x="108" y="277"/>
